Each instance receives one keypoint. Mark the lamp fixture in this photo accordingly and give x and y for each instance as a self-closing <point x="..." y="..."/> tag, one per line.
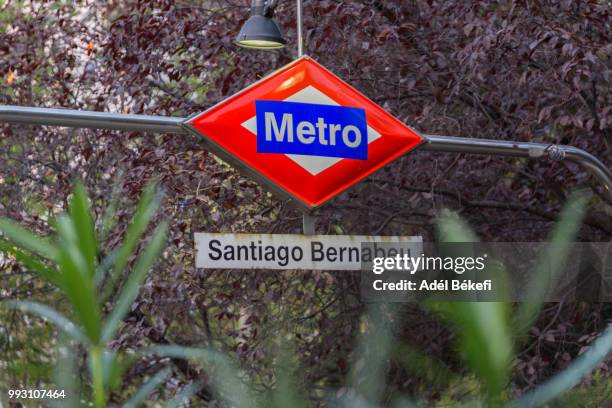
<point x="260" y="31"/>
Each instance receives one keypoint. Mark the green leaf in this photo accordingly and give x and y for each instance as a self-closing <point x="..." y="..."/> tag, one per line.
<point x="109" y="219"/>
<point x="355" y="401"/>
<point x="404" y="402"/>
<point x="78" y="285"/>
<point x="84" y="227"/>
<point x="571" y="376"/>
<point x="224" y="374"/>
<point x="66" y="374"/>
<point x="135" y="281"/>
<point x="551" y="260"/>
<point x="147" y="206"/>
<point x="287" y="392"/>
<point x="26" y="240"/>
<point x="96" y="371"/>
<point x="484" y="339"/>
<point x="47" y="313"/>
<point x="113" y="365"/>
<point x="30" y="262"/>
<point x="372" y="353"/>
<point x="107" y="263"/>
<point x="184" y="395"/>
<point x="483" y="327"/>
<point x="147" y="388"/>
<point x="423" y="365"/>
<point x="451" y="228"/>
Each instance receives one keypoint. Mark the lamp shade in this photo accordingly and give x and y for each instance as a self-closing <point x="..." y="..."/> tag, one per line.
<point x="260" y="32"/>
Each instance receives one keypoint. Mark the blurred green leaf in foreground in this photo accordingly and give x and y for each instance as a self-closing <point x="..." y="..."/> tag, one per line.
<point x="72" y="261"/>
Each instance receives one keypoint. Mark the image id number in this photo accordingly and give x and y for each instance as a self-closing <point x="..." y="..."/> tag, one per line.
<point x="36" y="394"/>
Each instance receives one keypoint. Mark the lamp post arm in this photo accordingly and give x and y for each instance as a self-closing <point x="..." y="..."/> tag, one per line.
<point x="167" y="124"/>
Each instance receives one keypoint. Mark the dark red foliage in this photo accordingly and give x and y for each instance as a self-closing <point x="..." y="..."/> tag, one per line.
<point x="511" y="70"/>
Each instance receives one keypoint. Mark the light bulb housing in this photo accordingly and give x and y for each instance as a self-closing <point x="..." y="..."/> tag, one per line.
<point x="260" y="31"/>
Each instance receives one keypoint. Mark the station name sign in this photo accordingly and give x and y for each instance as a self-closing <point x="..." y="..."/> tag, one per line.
<point x="293" y="251"/>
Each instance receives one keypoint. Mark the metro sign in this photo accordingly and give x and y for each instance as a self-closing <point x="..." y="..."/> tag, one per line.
<point x="304" y="133"/>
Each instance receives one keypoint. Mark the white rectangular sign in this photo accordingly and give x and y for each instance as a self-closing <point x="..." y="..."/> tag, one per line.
<point x="290" y="251"/>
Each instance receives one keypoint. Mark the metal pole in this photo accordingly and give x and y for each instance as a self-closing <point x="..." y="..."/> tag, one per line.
<point x="308" y="220"/>
<point x="85" y="119"/>
<point x="308" y="223"/>
<point x="165" y="124"/>
<point x="300" y="28"/>
<point x="523" y="149"/>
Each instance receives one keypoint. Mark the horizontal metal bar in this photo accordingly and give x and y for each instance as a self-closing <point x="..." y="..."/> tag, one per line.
<point x="166" y="124"/>
<point x="87" y="119"/>
<point x="522" y="149"/>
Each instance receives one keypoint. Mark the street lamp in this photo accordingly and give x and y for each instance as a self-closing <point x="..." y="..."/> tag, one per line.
<point x="260" y="31"/>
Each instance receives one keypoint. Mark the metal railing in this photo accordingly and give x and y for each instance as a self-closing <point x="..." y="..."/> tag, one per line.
<point x="168" y="124"/>
<point x="523" y="149"/>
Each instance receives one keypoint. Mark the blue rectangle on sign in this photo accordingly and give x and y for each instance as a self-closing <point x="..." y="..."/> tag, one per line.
<point x="310" y="129"/>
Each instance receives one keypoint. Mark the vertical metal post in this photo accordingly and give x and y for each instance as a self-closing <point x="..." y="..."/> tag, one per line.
<point x="308" y="220"/>
<point x="308" y="223"/>
<point x="300" y="35"/>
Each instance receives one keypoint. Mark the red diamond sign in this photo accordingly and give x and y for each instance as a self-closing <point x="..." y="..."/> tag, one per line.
<point x="304" y="133"/>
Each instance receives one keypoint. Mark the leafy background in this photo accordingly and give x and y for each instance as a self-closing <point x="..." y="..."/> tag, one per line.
<point x="531" y="71"/>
